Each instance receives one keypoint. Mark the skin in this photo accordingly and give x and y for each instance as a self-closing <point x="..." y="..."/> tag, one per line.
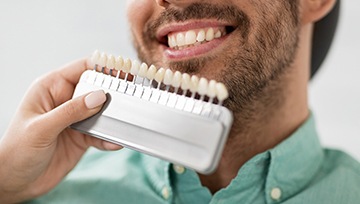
<point x="271" y="101"/>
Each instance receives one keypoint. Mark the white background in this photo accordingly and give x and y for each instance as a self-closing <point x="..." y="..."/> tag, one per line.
<point x="39" y="36"/>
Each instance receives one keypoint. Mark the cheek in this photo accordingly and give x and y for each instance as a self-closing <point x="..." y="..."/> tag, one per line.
<point x="138" y="12"/>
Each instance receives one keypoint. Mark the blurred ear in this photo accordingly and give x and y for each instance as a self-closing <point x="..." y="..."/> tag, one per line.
<point x="314" y="10"/>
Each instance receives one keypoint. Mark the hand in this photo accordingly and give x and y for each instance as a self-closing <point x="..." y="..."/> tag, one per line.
<point x="38" y="149"/>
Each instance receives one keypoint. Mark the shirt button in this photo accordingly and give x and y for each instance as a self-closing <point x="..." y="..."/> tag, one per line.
<point x="275" y="193"/>
<point x="165" y="193"/>
<point x="178" y="169"/>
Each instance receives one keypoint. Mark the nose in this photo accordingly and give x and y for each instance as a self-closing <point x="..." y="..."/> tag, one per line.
<point x="162" y="3"/>
<point x="179" y="3"/>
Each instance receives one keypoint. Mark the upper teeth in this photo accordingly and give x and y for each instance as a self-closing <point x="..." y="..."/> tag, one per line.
<point x="194" y="37"/>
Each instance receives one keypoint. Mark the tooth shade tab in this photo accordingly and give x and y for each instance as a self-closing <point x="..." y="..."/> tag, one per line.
<point x="119" y="63"/>
<point x="95" y="57"/>
<point x="110" y="62"/>
<point x="135" y="67"/>
<point x="143" y="70"/>
<point x="221" y="92"/>
<point x="176" y="79"/>
<point x="127" y="65"/>
<point x="203" y="86"/>
<point x="159" y="76"/>
<point x="151" y="72"/>
<point x="103" y="60"/>
<point x="168" y="77"/>
<point x="194" y="83"/>
<point x="185" y="81"/>
<point x="212" y="89"/>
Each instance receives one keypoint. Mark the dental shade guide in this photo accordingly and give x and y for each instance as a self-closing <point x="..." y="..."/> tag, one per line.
<point x="184" y="130"/>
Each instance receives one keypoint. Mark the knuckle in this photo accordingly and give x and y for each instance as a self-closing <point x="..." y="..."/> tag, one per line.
<point x="71" y="109"/>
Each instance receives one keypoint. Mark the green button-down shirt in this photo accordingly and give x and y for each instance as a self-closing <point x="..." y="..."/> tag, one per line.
<point x="298" y="170"/>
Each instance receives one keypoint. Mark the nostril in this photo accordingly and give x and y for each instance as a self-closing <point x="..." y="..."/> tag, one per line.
<point x="162" y="3"/>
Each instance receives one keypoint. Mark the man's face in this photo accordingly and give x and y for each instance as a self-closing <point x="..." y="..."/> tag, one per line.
<point x="243" y="43"/>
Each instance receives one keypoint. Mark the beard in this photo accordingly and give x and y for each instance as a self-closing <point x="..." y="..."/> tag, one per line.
<point x="263" y="49"/>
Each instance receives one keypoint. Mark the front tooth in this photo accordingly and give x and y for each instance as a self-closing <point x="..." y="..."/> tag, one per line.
<point x="185" y="81"/>
<point x="190" y="37"/>
<point x="103" y="60"/>
<point x="180" y="39"/>
<point x="135" y="67"/>
<point x="221" y="92"/>
<point x="110" y="62"/>
<point x="201" y="36"/>
<point x="159" y="76"/>
<point x="95" y="57"/>
<point x="176" y="79"/>
<point x="119" y="63"/>
<point x="210" y="34"/>
<point x="151" y="72"/>
<point x="217" y="34"/>
<point x="169" y="75"/>
<point x="212" y="89"/>
<point x="203" y="86"/>
<point x="194" y="83"/>
<point x="171" y="41"/>
<point x="127" y="65"/>
<point x="143" y="70"/>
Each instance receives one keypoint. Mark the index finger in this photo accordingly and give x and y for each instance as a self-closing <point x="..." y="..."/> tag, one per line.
<point x="72" y="72"/>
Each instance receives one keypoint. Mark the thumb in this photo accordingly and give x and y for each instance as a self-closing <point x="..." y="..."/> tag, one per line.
<point x="74" y="110"/>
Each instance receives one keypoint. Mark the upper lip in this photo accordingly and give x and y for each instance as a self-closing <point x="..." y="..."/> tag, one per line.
<point x="163" y="32"/>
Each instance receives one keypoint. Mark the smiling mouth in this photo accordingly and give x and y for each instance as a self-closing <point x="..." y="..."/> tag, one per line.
<point x="186" y="40"/>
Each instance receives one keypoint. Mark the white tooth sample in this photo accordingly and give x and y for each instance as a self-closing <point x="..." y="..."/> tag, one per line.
<point x="210" y="34"/>
<point x="203" y="86"/>
<point x="110" y="62"/>
<point x="103" y="60"/>
<point x="135" y="67"/>
<point x="176" y="79"/>
<point x="180" y="39"/>
<point x="221" y="92"/>
<point x="194" y="83"/>
<point x="159" y="76"/>
<point x="217" y="34"/>
<point x="119" y="63"/>
<point x="201" y="36"/>
<point x="190" y="37"/>
<point x="168" y="77"/>
<point x="95" y="57"/>
<point x="212" y="89"/>
<point x="185" y="81"/>
<point x="143" y="70"/>
<point x="127" y="65"/>
<point x="151" y="72"/>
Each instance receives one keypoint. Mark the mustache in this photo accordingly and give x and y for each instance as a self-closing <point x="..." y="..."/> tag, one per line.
<point x="198" y="11"/>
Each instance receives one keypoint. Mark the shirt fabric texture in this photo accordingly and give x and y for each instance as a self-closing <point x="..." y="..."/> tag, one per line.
<point x="298" y="170"/>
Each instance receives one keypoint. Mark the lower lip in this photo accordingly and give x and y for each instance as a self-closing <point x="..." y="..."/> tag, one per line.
<point x="194" y="51"/>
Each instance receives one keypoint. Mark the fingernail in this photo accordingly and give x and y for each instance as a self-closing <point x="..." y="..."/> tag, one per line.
<point x="95" y="99"/>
